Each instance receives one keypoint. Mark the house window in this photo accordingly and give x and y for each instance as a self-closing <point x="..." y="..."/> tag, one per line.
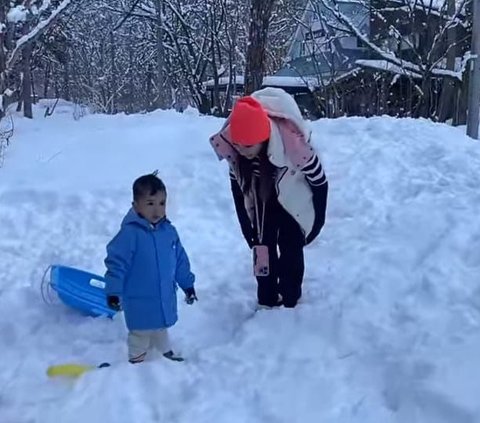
<point x="309" y="43"/>
<point x="360" y="43"/>
<point x="318" y="33"/>
<point x="307" y="48"/>
<point x="350" y="43"/>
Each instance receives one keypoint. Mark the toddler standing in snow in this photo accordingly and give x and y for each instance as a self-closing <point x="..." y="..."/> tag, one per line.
<point x="145" y="262"/>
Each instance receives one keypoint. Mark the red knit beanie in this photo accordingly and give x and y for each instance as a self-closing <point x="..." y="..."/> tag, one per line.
<point x="249" y="123"/>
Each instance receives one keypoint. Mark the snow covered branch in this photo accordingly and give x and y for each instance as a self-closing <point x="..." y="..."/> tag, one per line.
<point x="35" y="32"/>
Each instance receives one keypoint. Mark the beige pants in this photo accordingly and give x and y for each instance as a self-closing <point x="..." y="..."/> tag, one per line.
<point x="141" y="341"/>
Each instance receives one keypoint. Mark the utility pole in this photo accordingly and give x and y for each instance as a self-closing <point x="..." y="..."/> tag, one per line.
<point x="474" y="82"/>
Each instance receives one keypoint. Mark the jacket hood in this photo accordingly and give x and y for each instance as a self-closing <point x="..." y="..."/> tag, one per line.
<point x="132" y="217"/>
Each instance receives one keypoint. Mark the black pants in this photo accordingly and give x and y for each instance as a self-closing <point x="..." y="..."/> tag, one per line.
<point x="285" y="241"/>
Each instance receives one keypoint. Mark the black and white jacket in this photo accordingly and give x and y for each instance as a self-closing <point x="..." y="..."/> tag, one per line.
<point x="300" y="183"/>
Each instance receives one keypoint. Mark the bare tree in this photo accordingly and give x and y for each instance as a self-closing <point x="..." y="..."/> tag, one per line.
<point x="134" y="55"/>
<point x="24" y="22"/>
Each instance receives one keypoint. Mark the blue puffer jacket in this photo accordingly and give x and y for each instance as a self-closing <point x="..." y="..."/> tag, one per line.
<point x="144" y="265"/>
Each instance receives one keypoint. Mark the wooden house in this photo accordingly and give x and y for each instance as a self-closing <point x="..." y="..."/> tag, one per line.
<point x="348" y="47"/>
<point x="370" y="57"/>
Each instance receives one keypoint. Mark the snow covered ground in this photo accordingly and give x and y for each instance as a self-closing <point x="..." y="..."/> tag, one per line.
<point x="389" y="326"/>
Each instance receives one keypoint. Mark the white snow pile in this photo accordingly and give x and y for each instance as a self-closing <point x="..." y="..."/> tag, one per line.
<point x="388" y="327"/>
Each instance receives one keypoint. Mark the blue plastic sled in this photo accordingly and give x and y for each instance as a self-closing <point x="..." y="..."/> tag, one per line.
<point x="80" y="290"/>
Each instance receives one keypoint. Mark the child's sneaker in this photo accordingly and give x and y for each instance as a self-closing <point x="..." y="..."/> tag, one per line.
<point x="172" y="356"/>
<point x="138" y="359"/>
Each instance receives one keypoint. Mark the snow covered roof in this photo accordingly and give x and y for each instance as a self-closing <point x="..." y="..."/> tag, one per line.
<point x="431" y="6"/>
<point x="325" y="64"/>
<point x="271" y="81"/>
<point x="434" y="4"/>
<point x="384" y="65"/>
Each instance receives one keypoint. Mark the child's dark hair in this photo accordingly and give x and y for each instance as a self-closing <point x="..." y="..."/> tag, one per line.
<point x="148" y="185"/>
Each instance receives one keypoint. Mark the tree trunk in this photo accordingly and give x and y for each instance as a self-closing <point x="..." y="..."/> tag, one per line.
<point x="215" y="100"/>
<point x="162" y="99"/>
<point x="260" y="12"/>
<point x="448" y="87"/>
<point x="66" y="81"/>
<point x="46" y="80"/>
<point x="460" y="117"/>
<point x="102" y="88"/>
<point x="422" y="108"/>
<point x="203" y="103"/>
<point x="131" y="81"/>
<point x="27" y="81"/>
<point x="148" y="89"/>
<point x="383" y="96"/>
<point x="113" y="76"/>
<point x="3" y="83"/>
<point x="56" y="88"/>
<point x="34" y="93"/>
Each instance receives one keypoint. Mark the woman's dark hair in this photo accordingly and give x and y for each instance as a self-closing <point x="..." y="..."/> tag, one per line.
<point x="267" y="175"/>
<point x="147" y="185"/>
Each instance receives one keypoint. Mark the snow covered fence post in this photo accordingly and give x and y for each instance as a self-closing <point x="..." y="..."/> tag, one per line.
<point x="5" y="135"/>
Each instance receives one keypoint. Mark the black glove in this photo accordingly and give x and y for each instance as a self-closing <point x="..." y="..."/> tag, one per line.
<point x="190" y="296"/>
<point x="319" y="198"/>
<point x="113" y="302"/>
